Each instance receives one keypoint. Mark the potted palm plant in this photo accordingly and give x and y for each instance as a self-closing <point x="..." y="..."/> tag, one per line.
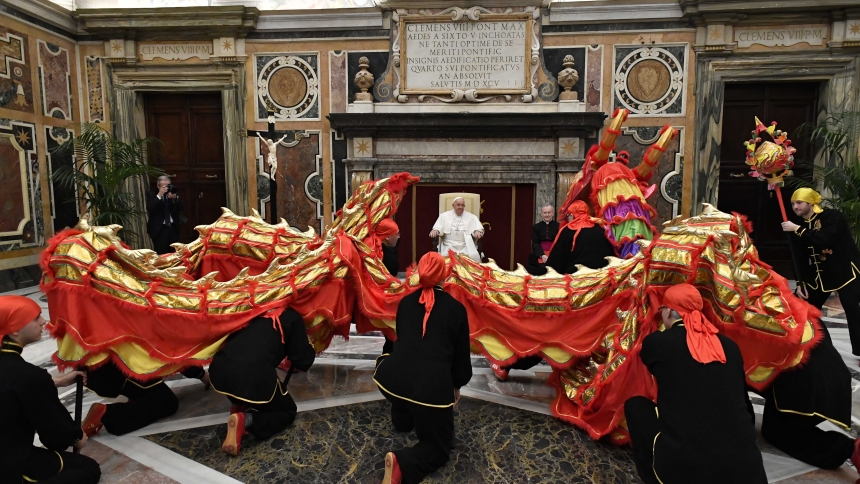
<point x="101" y="174"/>
<point x="838" y="177"/>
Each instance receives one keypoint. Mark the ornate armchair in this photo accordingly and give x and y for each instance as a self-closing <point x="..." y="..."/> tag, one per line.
<point x="473" y="206"/>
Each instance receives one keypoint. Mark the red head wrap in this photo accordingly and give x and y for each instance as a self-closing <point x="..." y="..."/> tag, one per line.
<point x="701" y="334"/>
<point x="431" y="271"/>
<point x="16" y="312"/>
<point x="581" y="220"/>
<point x="387" y="228"/>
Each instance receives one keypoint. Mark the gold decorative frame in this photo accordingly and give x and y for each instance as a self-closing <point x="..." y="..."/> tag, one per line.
<point x="25" y="190"/>
<point x="526" y="17"/>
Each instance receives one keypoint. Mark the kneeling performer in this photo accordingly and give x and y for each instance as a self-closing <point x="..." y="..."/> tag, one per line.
<point x="245" y="370"/>
<point x="423" y="375"/>
<point x="702" y="429"/>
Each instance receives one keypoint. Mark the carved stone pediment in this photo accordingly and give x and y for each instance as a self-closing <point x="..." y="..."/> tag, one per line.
<point x="168" y="24"/>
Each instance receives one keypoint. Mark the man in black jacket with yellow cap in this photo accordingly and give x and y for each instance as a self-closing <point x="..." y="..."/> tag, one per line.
<point x="826" y="257"/>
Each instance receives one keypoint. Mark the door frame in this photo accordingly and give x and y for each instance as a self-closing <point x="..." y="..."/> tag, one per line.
<point x="126" y="83"/>
<point x="839" y="90"/>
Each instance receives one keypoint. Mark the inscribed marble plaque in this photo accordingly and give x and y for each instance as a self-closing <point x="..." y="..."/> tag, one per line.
<point x="773" y="37"/>
<point x="175" y="51"/>
<point x="488" y="55"/>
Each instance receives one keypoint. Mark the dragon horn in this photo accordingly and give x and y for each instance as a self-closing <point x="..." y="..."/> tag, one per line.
<point x="607" y="143"/>
<point x="652" y="156"/>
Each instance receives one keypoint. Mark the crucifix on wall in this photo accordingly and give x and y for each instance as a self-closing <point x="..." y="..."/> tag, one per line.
<point x="268" y="138"/>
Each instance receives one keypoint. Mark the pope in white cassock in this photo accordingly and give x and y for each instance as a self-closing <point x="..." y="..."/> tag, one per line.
<point x="456" y="228"/>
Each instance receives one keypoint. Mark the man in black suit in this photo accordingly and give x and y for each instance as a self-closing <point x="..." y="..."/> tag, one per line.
<point x="423" y="375"/>
<point x="543" y="234"/>
<point x="162" y="208"/>
<point x="826" y="257"/>
<point x="702" y="428"/>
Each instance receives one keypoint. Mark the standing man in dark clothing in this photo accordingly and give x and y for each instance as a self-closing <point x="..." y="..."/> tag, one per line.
<point x="582" y="241"/>
<point x="29" y="405"/>
<point x="245" y="370"/>
<point x="826" y="257"/>
<point x="162" y="208"/>
<point x="702" y="428"/>
<point x="543" y="235"/>
<point x="422" y="378"/>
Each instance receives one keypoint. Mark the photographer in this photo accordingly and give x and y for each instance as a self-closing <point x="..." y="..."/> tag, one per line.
<point x="162" y="208"/>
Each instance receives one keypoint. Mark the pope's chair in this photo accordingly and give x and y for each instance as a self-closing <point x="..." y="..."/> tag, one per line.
<point x="473" y="206"/>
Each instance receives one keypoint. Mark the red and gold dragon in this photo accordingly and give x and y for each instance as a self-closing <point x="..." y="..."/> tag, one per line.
<point x="152" y="315"/>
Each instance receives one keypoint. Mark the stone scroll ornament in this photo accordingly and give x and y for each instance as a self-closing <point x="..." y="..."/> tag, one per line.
<point x="151" y="315"/>
<point x="770" y="160"/>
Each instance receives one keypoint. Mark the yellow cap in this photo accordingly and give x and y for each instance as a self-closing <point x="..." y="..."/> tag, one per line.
<point x="808" y="195"/>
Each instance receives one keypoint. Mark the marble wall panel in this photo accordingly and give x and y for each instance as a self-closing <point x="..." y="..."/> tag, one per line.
<point x="95" y="91"/>
<point x="65" y="211"/>
<point x="337" y="81"/>
<point x="553" y="59"/>
<point x="299" y="177"/>
<point x="668" y="175"/>
<point x="288" y="85"/>
<point x="21" y="198"/>
<point x="16" y="83"/>
<point x="594" y="75"/>
<point x="56" y="80"/>
<point x="650" y="80"/>
<point x="378" y="66"/>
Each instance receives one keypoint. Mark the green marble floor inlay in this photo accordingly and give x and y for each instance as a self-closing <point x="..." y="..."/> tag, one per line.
<point x="494" y="444"/>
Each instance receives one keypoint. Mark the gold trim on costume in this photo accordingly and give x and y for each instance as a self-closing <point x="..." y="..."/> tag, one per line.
<point x="404" y="398"/>
<point x="654" y="457"/>
<point x="61" y="462"/>
<point x="277" y="387"/>
<point x="816" y="414"/>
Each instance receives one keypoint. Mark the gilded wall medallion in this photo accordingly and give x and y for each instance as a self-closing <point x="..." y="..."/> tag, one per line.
<point x="288" y="86"/>
<point x="649" y="81"/>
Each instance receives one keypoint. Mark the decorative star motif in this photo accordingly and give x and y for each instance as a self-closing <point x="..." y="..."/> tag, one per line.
<point x="116" y="47"/>
<point x="363" y="147"/>
<point x="568" y="147"/>
<point x="227" y="45"/>
<point x="854" y="28"/>
<point x="23" y="137"/>
<point x="716" y="34"/>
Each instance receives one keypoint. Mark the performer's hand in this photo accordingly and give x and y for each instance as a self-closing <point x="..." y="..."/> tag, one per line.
<point x="789" y="226"/>
<point x="456" y="396"/>
<point x="61" y="381"/>
<point x="81" y="443"/>
<point x="162" y="190"/>
<point x="434" y="233"/>
<point x="544" y="258"/>
<point x="801" y="291"/>
<point x="477" y="234"/>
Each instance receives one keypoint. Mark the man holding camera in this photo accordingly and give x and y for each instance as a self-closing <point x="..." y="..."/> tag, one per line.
<point x="163" y="207"/>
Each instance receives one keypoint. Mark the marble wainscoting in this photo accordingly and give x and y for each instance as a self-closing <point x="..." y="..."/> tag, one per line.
<point x="493" y="443"/>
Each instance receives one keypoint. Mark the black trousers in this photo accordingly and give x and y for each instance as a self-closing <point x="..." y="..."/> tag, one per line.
<point x="147" y="402"/>
<point x="269" y="418"/>
<point x="643" y="426"/>
<point x="526" y="363"/>
<point x="49" y="467"/>
<point x="168" y="234"/>
<point x="434" y="428"/>
<point x="798" y="436"/>
<point x="849" y="296"/>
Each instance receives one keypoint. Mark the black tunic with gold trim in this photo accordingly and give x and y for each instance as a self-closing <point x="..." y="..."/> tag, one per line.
<point x="246" y="367"/>
<point x="824" y="251"/>
<point x="29" y="405"/>
<point x="426" y="370"/>
<point x="591" y="249"/>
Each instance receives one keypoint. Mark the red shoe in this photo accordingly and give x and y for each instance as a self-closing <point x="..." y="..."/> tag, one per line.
<point x="238" y="408"/>
<point x="855" y="457"/>
<point x="93" y="422"/>
<point x="235" y="432"/>
<point x="285" y="365"/>
<point x="392" y="470"/>
<point x="501" y="373"/>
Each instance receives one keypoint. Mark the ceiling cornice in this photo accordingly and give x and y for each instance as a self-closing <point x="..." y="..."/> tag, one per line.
<point x="176" y="23"/>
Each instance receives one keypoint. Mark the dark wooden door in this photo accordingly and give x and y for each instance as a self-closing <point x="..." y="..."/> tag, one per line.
<point x="191" y="151"/>
<point x="508" y="215"/>
<point x="790" y="104"/>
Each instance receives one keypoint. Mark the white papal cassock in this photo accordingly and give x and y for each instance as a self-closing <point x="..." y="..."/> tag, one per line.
<point x="456" y="233"/>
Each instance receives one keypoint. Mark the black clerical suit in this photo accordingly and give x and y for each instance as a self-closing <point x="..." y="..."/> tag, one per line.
<point x="591" y="249"/>
<point x="800" y="399"/>
<point x="541" y="232"/>
<point x="702" y="428"/>
<point x="828" y="260"/>
<point x="245" y="370"/>
<point x="162" y="223"/>
<point x="420" y="376"/>
<point x="147" y="401"/>
<point x="29" y="405"/>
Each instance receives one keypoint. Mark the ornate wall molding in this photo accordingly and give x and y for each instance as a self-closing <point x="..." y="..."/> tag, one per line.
<point x="21" y="225"/>
<point x="55" y="80"/>
<point x="650" y="80"/>
<point x="288" y="85"/>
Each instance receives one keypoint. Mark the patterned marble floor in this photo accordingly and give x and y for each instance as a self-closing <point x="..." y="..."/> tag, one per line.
<point x="505" y="433"/>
